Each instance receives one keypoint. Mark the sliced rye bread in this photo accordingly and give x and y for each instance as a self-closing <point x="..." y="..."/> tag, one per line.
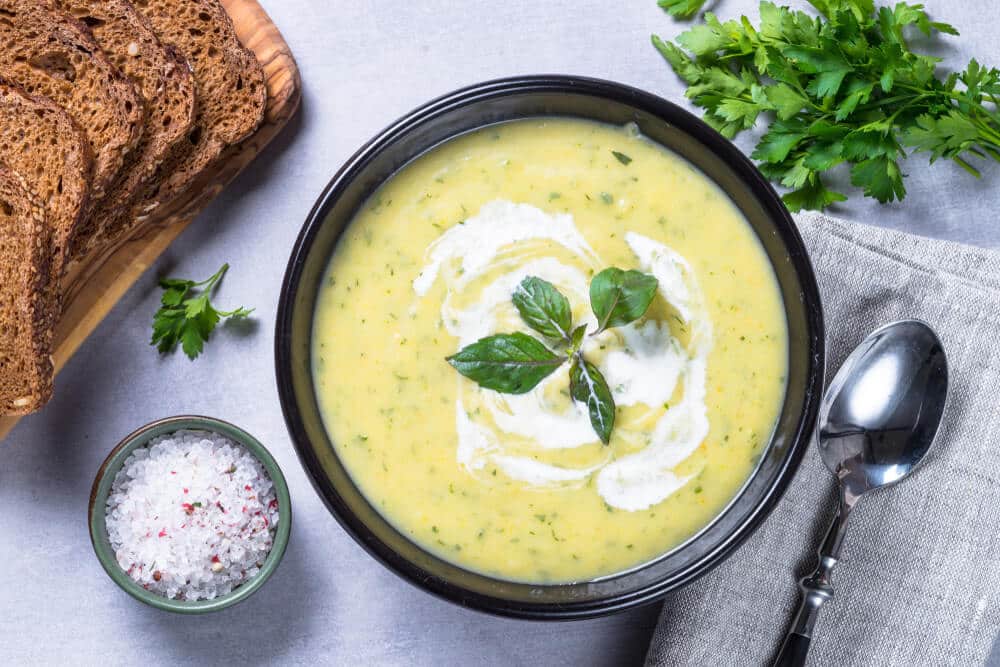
<point x="164" y="80"/>
<point x="229" y="84"/>
<point x="40" y="142"/>
<point x="48" y="53"/>
<point x="25" y="300"/>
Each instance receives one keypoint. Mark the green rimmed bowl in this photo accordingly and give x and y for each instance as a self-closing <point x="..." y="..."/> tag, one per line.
<point x="102" y="488"/>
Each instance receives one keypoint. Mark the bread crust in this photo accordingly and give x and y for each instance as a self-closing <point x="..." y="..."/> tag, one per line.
<point x="25" y="331"/>
<point x="81" y="140"/>
<point x="164" y="79"/>
<point x="48" y="53"/>
<point x="229" y="84"/>
<point x="41" y="142"/>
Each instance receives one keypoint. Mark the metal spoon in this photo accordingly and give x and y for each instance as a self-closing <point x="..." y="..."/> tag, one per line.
<point x="877" y="420"/>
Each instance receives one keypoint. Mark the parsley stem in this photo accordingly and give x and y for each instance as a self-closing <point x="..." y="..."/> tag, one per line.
<point x="890" y="100"/>
<point x="989" y="132"/>
<point x="966" y="166"/>
<point x="210" y="282"/>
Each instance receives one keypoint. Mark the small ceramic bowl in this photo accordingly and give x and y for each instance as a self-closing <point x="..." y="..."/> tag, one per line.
<point x="102" y="488"/>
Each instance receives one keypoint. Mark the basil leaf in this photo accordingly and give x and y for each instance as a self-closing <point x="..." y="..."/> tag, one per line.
<point x="576" y="338"/>
<point x="587" y="385"/>
<point x="508" y="363"/>
<point x="543" y="307"/>
<point x="618" y="297"/>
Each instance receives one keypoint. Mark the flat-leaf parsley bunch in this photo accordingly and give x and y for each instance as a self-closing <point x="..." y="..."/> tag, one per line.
<point x="515" y="363"/>
<point x="841" y="87"/>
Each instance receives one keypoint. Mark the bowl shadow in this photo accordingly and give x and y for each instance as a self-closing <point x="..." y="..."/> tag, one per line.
<point x="259" y="630"/>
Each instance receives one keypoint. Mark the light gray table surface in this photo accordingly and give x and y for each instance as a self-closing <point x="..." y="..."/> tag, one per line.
<point x="363" y="64"/>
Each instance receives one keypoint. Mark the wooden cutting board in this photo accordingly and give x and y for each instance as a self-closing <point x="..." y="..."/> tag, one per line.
<point x="95" y="284"/>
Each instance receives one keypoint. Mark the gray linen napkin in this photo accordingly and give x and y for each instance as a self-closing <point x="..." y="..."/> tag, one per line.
<point x="919" y="579"/>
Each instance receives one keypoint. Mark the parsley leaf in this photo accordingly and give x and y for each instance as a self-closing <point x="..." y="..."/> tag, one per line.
<point x="880" y="177"/>
<point x="841" y="87"/>
<point x="779" y="141"/>
<point x="681" y="9"/>
<point x="812" y="195"/>
<point x="187" y="318"/>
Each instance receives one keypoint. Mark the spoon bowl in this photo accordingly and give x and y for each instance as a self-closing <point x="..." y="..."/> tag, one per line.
<point x="881" y="412"/>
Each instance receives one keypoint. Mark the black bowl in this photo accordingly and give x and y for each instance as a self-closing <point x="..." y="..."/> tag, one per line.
<point x="508" y="99"/>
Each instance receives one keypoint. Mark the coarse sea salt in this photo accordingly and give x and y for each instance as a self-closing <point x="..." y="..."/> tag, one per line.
<point x="191" y="515"/>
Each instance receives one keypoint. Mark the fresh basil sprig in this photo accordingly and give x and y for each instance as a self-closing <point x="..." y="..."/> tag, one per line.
<point x="515" y="363"/>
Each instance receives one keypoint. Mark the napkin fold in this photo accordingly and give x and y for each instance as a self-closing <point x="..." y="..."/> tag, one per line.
<point x="919" y="578"/>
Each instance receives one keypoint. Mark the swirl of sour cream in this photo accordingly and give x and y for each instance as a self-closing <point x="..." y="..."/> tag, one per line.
<point x="543" y="438"/>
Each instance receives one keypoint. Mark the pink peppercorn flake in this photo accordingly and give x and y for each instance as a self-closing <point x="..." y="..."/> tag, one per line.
<point x="162" y="533"/>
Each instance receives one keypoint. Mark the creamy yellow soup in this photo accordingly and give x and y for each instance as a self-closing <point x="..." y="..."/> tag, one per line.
<point x="520" y="487"/>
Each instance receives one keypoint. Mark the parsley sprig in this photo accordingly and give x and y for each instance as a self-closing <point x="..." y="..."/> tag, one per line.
<point x="187" y="316"/>
<point x="515" y="363"/>
<point x="841" y="87"/>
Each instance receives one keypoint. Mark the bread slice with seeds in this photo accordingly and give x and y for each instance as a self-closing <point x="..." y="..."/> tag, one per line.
<point x="40" y="142"/>
<point x="48" y="53"/>
<point x="229" y="84"/>
<point x="164" y="79"/>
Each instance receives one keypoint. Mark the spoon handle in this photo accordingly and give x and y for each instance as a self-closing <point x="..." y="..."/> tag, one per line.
<point x="816" y="589"/>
